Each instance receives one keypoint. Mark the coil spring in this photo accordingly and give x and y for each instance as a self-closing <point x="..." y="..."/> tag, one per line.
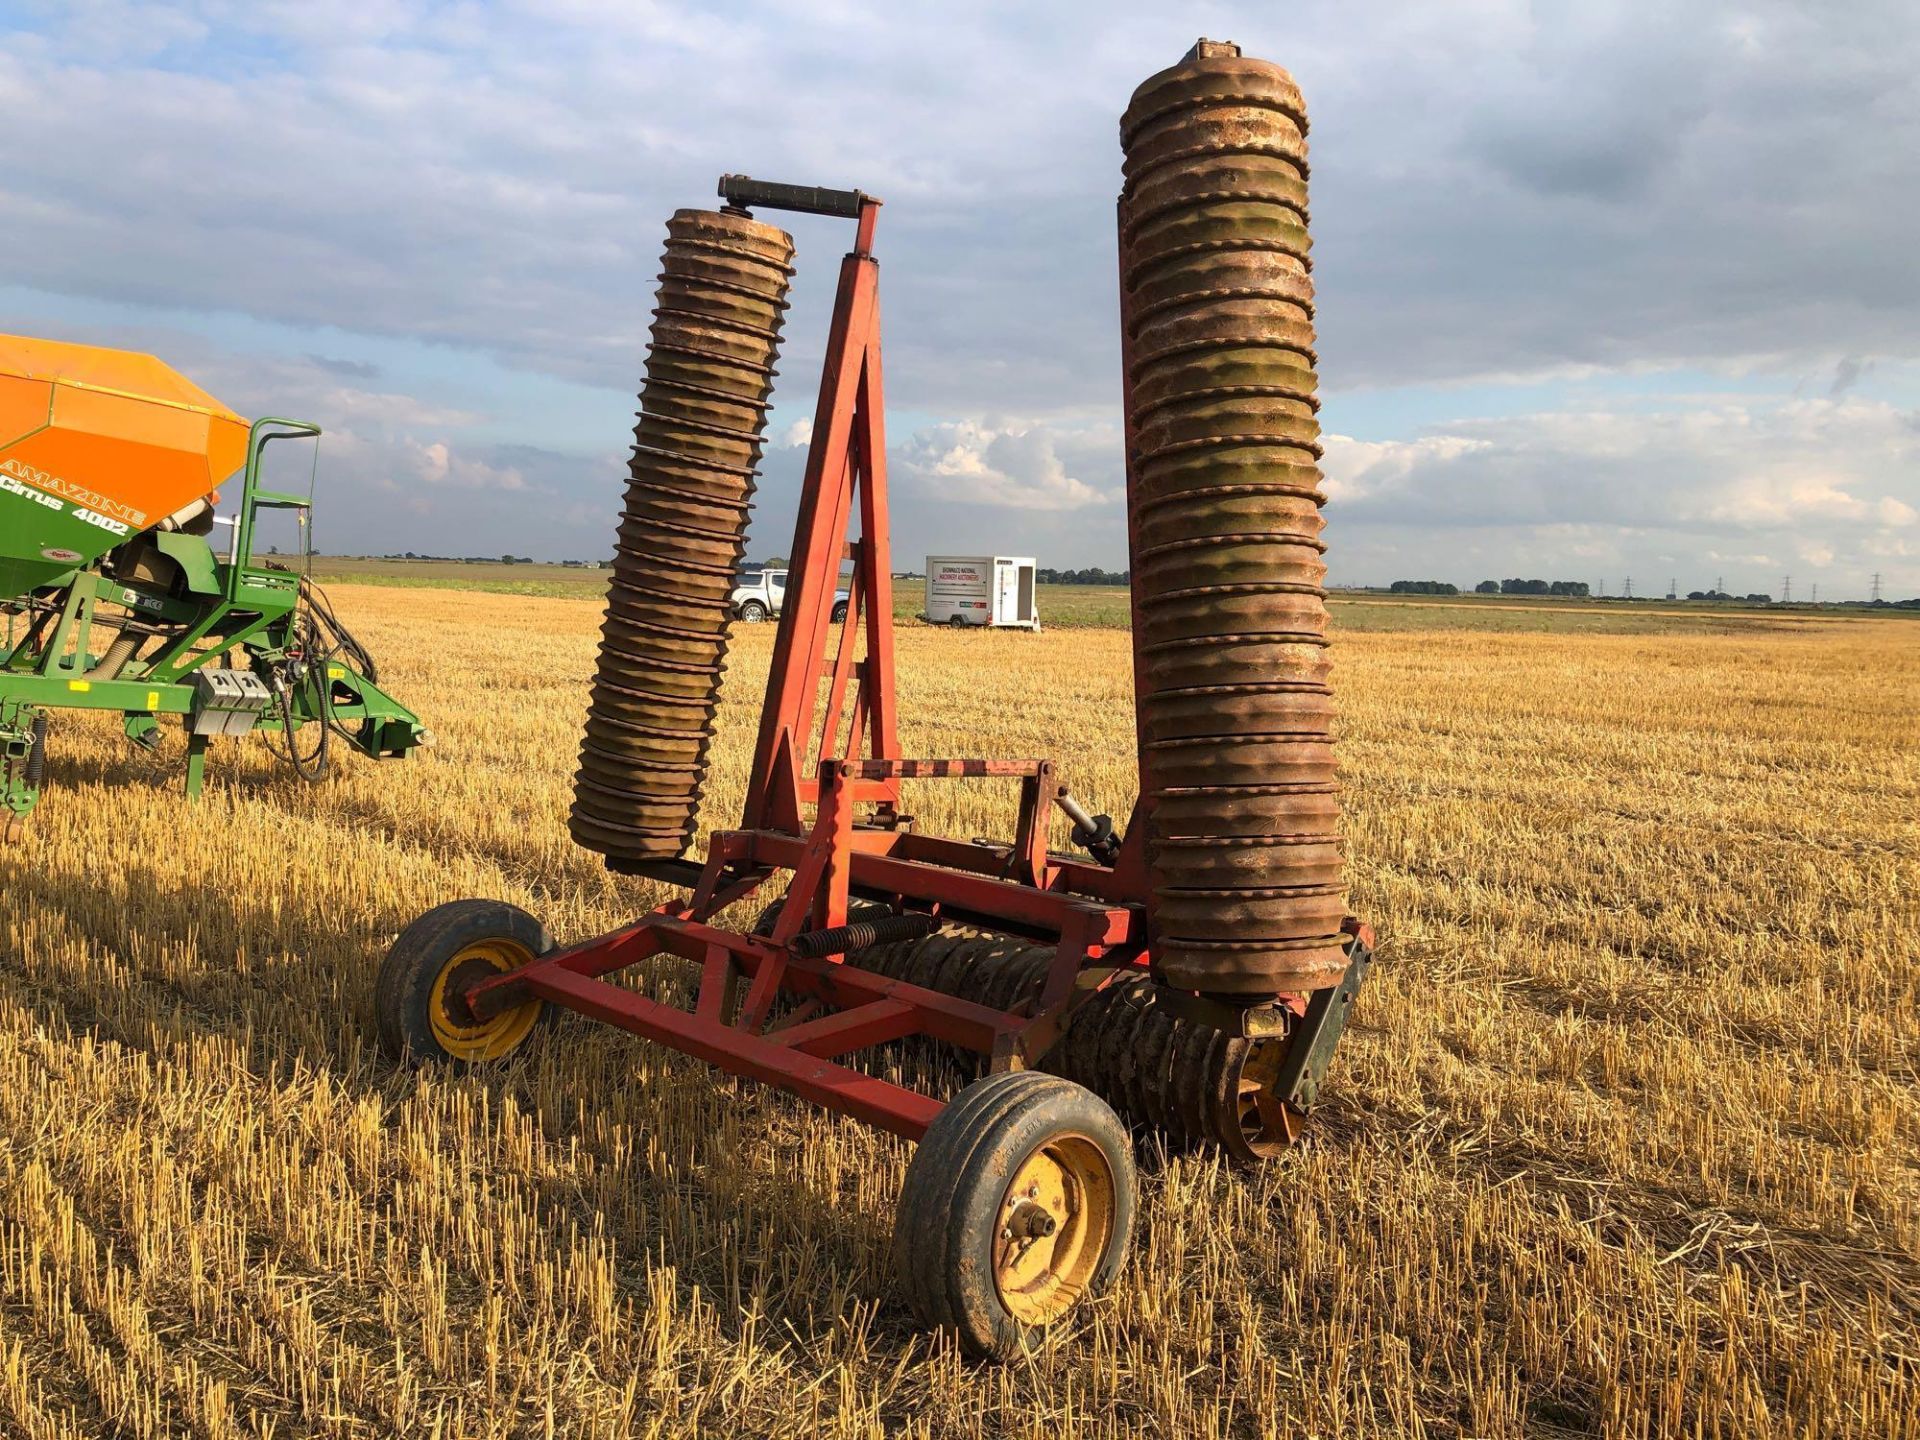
<point x="858" y="936"/>
<point x="33" y="773"/>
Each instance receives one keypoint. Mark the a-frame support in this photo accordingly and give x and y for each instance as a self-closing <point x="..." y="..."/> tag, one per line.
<point x="846" y="464"/>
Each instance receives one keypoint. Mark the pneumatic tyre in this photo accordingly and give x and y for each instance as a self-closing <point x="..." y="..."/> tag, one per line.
<point x="1018" y="1203"/>
<point x="451" y="947"/>
<point x="753" y="612"/>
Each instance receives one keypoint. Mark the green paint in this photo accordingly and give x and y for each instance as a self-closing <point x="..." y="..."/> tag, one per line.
<point x="215" y="612"/>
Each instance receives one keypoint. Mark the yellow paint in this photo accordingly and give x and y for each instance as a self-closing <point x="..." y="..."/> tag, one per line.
<point x="153" y="699"/>
<point x="81" y="686"/>
<point x="489" y="1039"/>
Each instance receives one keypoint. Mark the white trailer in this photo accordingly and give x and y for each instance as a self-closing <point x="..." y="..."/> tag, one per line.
<point x="982" y="590"/>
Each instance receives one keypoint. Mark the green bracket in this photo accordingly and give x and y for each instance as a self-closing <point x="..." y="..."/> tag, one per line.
<point x="1311" y="1049"/>
<point x="196" y="765"/>
<point x="242" y="577"/>
<point x="23" y="740"/>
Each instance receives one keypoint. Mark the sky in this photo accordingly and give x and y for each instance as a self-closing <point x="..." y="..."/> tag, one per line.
<point x="1605" y="290"/>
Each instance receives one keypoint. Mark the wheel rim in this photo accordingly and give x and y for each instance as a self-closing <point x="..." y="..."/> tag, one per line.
<point x="1266" y="1125"/>
<point x="488" y="1039"/>
<point x="1054" y="1226"/>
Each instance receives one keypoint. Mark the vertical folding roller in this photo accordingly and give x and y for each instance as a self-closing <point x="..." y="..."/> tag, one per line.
<point x="683" y="526"/>
<point x="1076" y="989"/>
<point x="1224" y="503"/>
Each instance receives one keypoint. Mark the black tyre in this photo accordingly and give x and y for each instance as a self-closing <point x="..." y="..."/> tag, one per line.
<point x="958" y="622"/>
<point x="840" y="612"/>
<point x="753" y="612"/>
<point x="1018" y="1203"/>
<point x="450" y="947"/>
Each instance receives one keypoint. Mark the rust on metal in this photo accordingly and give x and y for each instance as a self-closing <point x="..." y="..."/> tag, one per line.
<point x="1223" y="488"/>
<point x="1158" y="1068"/>
<point x="663" y="642"/>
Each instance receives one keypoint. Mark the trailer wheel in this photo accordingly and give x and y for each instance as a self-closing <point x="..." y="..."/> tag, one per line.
<point x="753" y="612"/>
<point x="958" y="622"/>
<point x="450" y="947"/>
<point x="1018" y="1202"/>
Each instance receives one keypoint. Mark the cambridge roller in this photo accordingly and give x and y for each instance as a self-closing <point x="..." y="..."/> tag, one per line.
<point x="1193" y="975"/>
<point x="1223" y="493"/>
<point x="1162" y="1071"/>
<point x="703" y="409"/>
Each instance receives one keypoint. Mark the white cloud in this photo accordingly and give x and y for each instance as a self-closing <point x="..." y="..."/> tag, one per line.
<point x="385" y="408"/>
<point x="1824" y="480"/>
<point x="997" y="463"/>
<point x="1894" y="512"/>
<point x="1355" y="469"/>
<point x="440" y="464"/>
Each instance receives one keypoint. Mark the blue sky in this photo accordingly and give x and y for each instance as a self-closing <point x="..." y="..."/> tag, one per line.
<point x="1605" y="290"/>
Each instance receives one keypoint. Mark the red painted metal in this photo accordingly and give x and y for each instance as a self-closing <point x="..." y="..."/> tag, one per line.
<point x="891" y="1107"/>
<point x="837" y="756"/>
<point x="845" y="461"/>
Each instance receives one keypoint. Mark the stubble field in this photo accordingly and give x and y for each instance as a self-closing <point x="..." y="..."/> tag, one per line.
<point x="1625" y="1138"/>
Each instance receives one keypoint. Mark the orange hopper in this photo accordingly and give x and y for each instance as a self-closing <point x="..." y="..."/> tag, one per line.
<point x="97" y="445"/>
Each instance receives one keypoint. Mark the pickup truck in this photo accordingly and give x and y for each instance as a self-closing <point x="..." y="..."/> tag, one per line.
<point x="758" y="595"/>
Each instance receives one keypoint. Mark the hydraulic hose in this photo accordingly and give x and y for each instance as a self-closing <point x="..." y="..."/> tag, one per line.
<point x="125" y="646"/>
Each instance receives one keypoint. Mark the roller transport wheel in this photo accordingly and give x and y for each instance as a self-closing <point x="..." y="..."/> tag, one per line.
<point x="1018" y="1203"/>
<point x="452" y="946"/>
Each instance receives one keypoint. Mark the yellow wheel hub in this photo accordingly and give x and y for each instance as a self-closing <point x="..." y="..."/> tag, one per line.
<point x="1055" y="1223"/>
<point x="1266" y="1122"/>
<point x="465" y="1039"/>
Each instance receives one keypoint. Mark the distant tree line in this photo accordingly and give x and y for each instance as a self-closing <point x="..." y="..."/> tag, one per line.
<point x="472" y="559"/>
<point x="1423" y="587"/>
<point x="1755" y="599"/>
<point x="1532" y="587"/>
<point x="1090" y="576"/>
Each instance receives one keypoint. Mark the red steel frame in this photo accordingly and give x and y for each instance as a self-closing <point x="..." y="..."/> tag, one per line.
<point x="1094" y="913"/>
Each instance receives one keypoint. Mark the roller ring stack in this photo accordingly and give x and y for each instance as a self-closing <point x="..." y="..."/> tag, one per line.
<point x="703" y="409"/>
<point x="1186" y="1081"/>
<point x="1236" y="713"/>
